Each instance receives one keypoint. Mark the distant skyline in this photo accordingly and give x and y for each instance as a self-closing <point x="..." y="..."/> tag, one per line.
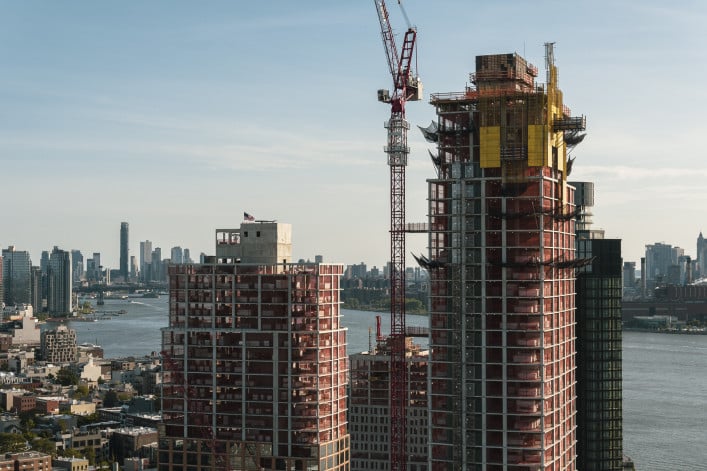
<point x="177" y="117"/>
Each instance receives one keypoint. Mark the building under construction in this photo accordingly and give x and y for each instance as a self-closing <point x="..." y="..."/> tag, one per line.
<point x="369" y="407"/>
<point x="255" y="365"/>
<point x="502" y="271"/>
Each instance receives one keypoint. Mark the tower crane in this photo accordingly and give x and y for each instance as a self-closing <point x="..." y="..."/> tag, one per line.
<point x="406" y="87"/>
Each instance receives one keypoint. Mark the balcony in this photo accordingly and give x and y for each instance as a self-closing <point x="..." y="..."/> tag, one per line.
<point x="529" y="292"/>
<point x="527" y="425"/>
<point x="527" y="407"/>
<point x="528" y="342"/>
<point x="525" y="358"/>
<point x="529" y="392"/>
<point x="526" y="307"/>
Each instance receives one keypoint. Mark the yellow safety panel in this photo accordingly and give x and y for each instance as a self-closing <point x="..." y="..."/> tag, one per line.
<point x="538" y="145"/>
<point x="562" y="161"/>
<point x="490" y="146"/>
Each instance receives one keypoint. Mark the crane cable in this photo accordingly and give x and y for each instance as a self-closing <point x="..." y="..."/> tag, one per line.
<point x="407" y="20"/>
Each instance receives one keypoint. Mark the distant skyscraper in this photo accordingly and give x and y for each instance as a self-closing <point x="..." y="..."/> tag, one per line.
<point x="16" y="275"/>
<point x="145" y="260"/>
<point x="38" y="281"/>
<point x="59" y="296"/>
<point x="97" y="267"/>
<point x="44" y="261"/>
<point x="124" y="254"/>
<point x="255" y="372"/>
<point x="2" y="286"/>
<point x="176" y="255"/>
<point x="156" y="265"/>
<point x="187" y="256"/>
<point x="133" y="267"/>
<point x="77" y="262"/>
<point x="659" y="258"/>
<point x="629" y="276"/>
<point x="44" y="267"/>
<point x="701" y="256"/>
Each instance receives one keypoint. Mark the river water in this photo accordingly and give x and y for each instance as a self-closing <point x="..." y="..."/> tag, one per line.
<point x="665" y="377"/>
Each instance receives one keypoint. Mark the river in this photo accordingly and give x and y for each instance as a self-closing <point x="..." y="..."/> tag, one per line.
<point x="665" y="377"/>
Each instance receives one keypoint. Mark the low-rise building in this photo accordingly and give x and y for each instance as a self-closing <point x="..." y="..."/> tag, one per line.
<point x="70" y="464"/>
<point x="24" y="403"/>
<point x="7" y="395"/>
<point x="87" y="350"/>
<point x="48" y="405"/>
<point x="127" y="442"/>
<point x="27" y="461"/>
<point x="86" y="439"/>
<point x="75" y="407"/>
<point x="19" y="360"/>
<point x="89" y="371"/>
<point x="25" y="330"/>
<point x="10" y="423"/>
<point x="136" y="464"/>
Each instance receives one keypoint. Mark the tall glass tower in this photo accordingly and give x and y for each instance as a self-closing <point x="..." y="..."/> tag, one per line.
<point x="124" y="258"/>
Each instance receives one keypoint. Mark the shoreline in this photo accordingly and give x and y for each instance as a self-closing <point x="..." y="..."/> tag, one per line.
<point x="386" y="311"/>
<point x="664" y="331"/>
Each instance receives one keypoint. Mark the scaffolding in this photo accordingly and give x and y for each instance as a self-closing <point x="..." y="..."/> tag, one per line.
<point x="501" y="242"/>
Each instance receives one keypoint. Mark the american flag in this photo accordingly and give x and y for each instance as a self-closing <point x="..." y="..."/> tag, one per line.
<point x="248" y="217"/>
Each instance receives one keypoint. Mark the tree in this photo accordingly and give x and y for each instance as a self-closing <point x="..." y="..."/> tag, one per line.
<point x="81" y="391"/>
<point x="67" y="377"/>
<point x="111" y="399"/>
<point x="12" y="443"/>
<point x="44" y="445"/>
<point x="90" y="455"/>
<point x="72" y="453"/>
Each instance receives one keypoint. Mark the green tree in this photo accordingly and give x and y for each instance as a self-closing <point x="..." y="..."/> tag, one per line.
<point x="12" y="443"/>
<point x="81" y="392"/>
<point x="111" y="399"/>
<point x="72" y="453"/>
<point x="44" y="445"/>
<point x="414" y="305"/>
<point x="67" y="377"/>
<point x="90" y="453"/>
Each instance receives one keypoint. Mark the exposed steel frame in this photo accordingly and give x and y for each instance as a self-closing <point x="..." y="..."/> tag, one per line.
<point x="397" y="150"/>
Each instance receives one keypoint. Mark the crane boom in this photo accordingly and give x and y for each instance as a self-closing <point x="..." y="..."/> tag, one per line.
<point x="406" y="86"/>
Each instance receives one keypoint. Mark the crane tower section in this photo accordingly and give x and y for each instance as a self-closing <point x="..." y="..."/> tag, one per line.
<point x="406" y="87"/>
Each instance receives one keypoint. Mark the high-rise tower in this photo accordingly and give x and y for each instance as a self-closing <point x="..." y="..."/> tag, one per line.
<point x="124" y="257"/>
<point x="254" y="359"/>
<point x="501" y="264"/>
<point x="145" y="260"/>
<point x="16" y="276"/>
<point x="59" y="283"/>
<point x="599" y="369"/>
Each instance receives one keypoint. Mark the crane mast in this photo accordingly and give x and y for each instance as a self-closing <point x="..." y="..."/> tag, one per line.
<point x="406" y="87"/>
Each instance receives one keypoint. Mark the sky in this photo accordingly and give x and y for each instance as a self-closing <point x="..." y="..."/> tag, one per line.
<point x="178" y="116"/>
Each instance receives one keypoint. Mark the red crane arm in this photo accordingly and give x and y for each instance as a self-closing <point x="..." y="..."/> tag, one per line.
<point x="402" y="78"/>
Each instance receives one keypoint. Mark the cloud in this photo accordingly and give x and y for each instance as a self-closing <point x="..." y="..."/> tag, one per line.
<point x="634" y="173"/>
